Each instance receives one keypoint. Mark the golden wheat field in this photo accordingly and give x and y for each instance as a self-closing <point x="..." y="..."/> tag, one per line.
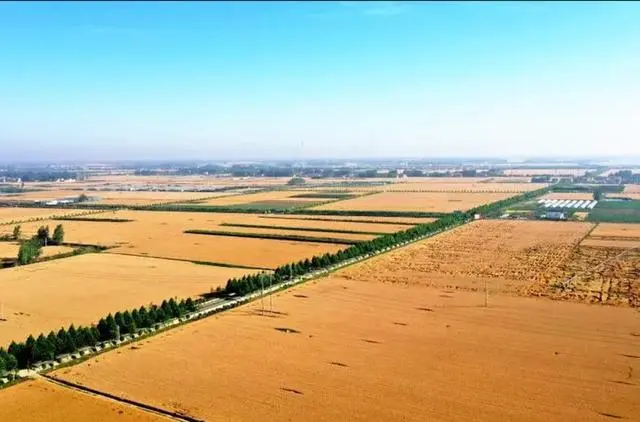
<point x="13" y="215"/>
<point x="44" y="401"/>
<point x="161" y="234"/>
<point x="397" y="223"/>
<point x="352" y="350"/>
<point x="614" y="235"/>
<point x="288" y="195"/>
<point x="81" y="289"/>
<point x="479" y="187"/>
<point x="416" y="201"/>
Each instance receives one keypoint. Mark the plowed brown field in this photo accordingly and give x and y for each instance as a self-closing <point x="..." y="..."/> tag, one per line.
<point x="33" y="401"/>
<point x="345" y="350"/>
<point x="416" y="201"/>
<point x="82" y="289"/>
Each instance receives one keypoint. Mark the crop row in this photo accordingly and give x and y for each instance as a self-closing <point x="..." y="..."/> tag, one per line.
<point x="302" y="229"/>
<point x="273" y="236"/>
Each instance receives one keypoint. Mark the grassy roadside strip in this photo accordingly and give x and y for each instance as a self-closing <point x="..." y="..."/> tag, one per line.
<point x="342" y="220"/>
<point x="274" y="236"/>
<point x="302" y="229"/>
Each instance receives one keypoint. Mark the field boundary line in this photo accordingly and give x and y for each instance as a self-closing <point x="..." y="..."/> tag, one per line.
<point x="210" y="263"/>
<point x="139" y="405"/>
<point x="302" y="229"/>
<point x="587" y="234"/>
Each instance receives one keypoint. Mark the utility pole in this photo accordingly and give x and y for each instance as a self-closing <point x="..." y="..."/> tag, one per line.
<point x="262" y="292"/>
<point x="270" y="296"/>
<point x="486" y="293"/>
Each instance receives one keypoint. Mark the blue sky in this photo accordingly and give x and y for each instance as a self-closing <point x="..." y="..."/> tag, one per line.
<point x="318" y="79"/>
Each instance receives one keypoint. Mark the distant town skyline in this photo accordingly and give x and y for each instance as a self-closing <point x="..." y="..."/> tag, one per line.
<point x="301" y="80"/>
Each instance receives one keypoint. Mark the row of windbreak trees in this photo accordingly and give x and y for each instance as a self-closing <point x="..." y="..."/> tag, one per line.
<point x="43" y="348"/>
<point x="254" y="282"/>
<point x="31" y="249"/>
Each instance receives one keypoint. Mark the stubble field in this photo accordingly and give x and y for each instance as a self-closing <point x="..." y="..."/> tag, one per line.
<point x="535" y="258"/>
<point x="350" y="350"/>
<point x="509" y="255"/>
<point x="80" y="290"/>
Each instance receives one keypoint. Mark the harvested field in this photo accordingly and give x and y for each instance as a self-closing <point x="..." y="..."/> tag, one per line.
<point x="393" y="353"/>
<point x="82" y="289"/>
<point x="545" y="171"/>
<point x="416" y="202"/>
<point x="10" y="250"/>
<point x="539" y="258"/>
<point x="632" y="189"/>
<point x="161" y="234"/>
<point x="13" y="215"/>
<point x="44" y="401"/>
<point x="568" y="195"/>
<point x="509" y="255"/>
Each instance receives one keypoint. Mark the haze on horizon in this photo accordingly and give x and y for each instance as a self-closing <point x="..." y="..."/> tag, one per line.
<point x="174" y="80"/>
